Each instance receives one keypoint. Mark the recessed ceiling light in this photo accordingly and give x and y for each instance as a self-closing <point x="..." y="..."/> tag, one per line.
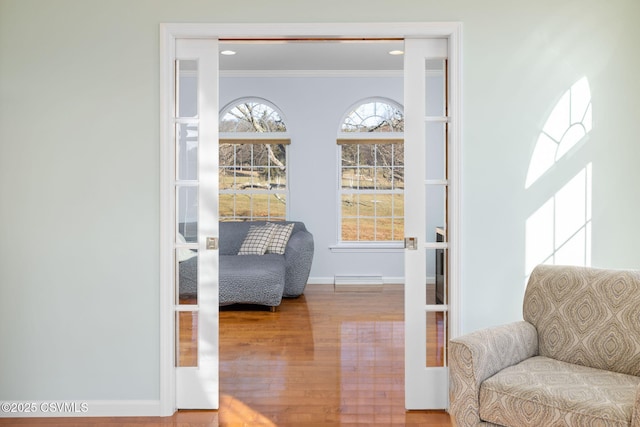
<point x="396" y="52"/>
<point x="228" y="52"/>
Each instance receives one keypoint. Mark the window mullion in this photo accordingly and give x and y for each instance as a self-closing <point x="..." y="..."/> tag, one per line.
<point x="376" y="126"/>
<point x="251" y="126"/>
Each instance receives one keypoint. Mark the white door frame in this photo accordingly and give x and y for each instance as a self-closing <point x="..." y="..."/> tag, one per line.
<point x="168" y="35"/>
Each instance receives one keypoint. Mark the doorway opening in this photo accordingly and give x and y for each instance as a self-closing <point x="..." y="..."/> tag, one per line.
<point x="240" y="34"/>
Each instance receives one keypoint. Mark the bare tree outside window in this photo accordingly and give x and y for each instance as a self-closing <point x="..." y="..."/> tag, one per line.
<point x="252" y="163"/>
<point x="372" y="173"/>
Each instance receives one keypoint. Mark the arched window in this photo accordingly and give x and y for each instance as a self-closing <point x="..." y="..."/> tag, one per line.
<point x="252" y="161"/>
<point x="370" y="142"/>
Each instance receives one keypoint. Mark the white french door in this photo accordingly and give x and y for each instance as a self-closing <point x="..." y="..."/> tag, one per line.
<point x="428" y="196"/>
<point x="188" y="139"/>
<point x="195" y="207"/>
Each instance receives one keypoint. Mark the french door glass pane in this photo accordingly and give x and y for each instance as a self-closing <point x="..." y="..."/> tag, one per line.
<point x="439" y="293"/>
<point x="186" y="338"/>
<point x="436" y="215"/>
<point x="437" y="278"/>
<point x="187" y="88"/>
<point x="187" y="145"/>
<point x="186" y="276"/>
<point x="187" y="215"/>
<point x="435" y="87"/>
<point x="430" y="255"/>
<point x="436" y="154"/>
<point x="437" y="337"/>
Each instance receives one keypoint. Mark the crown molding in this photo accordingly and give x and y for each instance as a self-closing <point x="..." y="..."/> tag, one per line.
<point x="310" y="73"/>
<point x="319" y="73"/>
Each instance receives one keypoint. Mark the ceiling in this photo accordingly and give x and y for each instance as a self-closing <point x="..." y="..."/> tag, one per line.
<point x="256" y="56"/>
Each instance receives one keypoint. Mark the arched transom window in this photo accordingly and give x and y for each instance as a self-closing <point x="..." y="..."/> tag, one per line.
<point x="370" y="141"/>
<point x="253" y="161"/>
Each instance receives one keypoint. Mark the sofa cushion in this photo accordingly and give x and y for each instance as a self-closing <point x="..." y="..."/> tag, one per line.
<point x="586" y="316"/>
<point x="251" y="279"/>
<point x="257" y="240"/>
<point x="279" y="238"/>
<point x="545" y="392"/>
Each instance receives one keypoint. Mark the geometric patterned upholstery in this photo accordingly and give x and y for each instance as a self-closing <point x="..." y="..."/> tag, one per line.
<point x="586" y="316"/>
<point x="479" y="355"/>
<point x="549" y="392"/>
<point x="573" y="361"/>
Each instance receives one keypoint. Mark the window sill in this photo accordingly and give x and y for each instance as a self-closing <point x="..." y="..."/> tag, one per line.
<point x="373" y="247"/>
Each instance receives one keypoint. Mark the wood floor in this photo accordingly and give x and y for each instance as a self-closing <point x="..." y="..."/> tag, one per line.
<point x="324" y="359"/>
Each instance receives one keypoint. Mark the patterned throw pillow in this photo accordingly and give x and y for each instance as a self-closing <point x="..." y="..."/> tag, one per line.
<point x="279" y="239"/>
<point x="257" y="240"/>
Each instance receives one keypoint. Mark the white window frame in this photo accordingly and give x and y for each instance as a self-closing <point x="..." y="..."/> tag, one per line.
<point x="364" y="245"/>
<point x="257" y="137"/>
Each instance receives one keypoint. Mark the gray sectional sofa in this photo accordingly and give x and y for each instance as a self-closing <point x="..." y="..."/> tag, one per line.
<point x="256" y="279"/>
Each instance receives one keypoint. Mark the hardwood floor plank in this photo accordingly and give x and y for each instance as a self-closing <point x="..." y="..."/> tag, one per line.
<point x="324" y="359"/>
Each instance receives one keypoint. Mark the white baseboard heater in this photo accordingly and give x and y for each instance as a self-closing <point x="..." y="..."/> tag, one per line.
<point x="358" y="283"/>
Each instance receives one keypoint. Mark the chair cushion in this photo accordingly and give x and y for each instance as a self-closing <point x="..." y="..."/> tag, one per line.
<point x="545" y="392"/>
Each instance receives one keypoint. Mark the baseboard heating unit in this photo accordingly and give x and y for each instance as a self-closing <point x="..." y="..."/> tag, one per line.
<point x="357" y="283"/>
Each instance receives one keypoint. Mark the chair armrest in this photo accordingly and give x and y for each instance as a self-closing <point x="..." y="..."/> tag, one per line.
<point x="477" y="356"/>
<point x="298" y="257"/>
<point x="635" y="415"/>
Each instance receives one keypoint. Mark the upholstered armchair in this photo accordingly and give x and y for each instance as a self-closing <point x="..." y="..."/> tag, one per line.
<point x="573" y="361"/>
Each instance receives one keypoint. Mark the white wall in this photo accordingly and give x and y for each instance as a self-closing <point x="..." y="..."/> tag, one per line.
<point x="79" y="165"/>
<point x="313" y="108"/>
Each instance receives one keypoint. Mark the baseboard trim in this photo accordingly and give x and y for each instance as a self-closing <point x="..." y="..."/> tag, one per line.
<point x="80" y="408"/>
<point x="358" y="283"/>
<point x="321" y="280"/>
